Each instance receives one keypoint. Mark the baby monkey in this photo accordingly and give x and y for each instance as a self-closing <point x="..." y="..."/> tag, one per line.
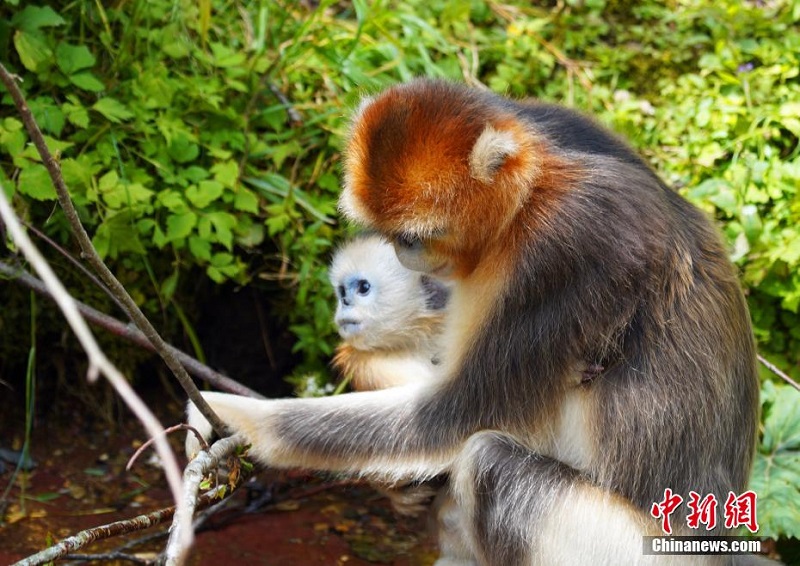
<point x="388" y="316"/>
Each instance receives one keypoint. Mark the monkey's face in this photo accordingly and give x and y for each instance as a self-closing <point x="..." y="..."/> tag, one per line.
<point x="439" y="171"/>
<point x="356" y="301"/>
<point x="379" y="301"/>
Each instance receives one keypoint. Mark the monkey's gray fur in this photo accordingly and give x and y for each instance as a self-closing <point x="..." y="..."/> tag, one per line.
<point x="564" y="248"/>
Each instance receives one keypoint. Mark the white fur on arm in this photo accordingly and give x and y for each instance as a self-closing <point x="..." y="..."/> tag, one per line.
<point x="331" y="433"/>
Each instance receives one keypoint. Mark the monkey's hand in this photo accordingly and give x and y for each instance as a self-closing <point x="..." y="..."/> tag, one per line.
<point x="240" y="414"/>
<point x="199" y="423"/>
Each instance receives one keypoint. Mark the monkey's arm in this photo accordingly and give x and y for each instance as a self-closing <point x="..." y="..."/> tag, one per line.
<point x="379" y="369"/>
<point x="382" y="434"/>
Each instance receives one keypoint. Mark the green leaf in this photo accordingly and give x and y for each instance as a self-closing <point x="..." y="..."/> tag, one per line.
<point x="751" y="222"/>
<point x="169" y="285"/>
<point x="12" y="136"/>
<point x="35" y="182"/>
<point x="196" y="174"/>
<point x="159" y="238"/>
<point x="76" y="114"/>
<point x="281" y="152"/>
<point x="98" y="472"/>
<point x="277" y="223"/>
<point x="72" y="58"/>
<point x="180" y="226"/>
<point x="183" y="150"/>
<point x="108" y="181"/>
<point x="56" y="147"/>
<point x="246" y="201"/>
<point x="44" y="497"/>
<point x="226" y="173"/>
<point x="790" y="252"/>
<point x="200" y="248"/>
<point x="223" y="226"/>
<point x="35" y="17"/>
<point x="221" y="259"/>
<point x="249" y="234"/>
<point x="776" y="472"/>
<point x="204" y="227"/>
<point x="204" y="193"/>
<point x="117" y="233"/>
<point x="224" y="56"/>
<point x="112" y="109"/>
<point x="47" y="114"/>
<point x="87" y="81"/>
<point x="223" y="266"/>
<point x="8" y="186"/>
<point x="79" y="172"/>
<point x="215" y="274"/>
<point x="33" y="50"/>
<point x="127" y="194"/>
<point x="172" y="201"/>
<point x="718" y="192"/>
<point x="177" y="49"/>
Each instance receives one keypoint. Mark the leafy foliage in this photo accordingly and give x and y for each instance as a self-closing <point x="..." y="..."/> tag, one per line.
<point x="776" y="474"/>
<point x="203" y="138"/>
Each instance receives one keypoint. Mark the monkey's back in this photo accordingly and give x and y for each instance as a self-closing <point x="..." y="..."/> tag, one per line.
<point x="661" y="311"/>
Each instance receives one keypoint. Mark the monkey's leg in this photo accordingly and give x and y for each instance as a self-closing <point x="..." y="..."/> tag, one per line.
<point x="524" y="509"/>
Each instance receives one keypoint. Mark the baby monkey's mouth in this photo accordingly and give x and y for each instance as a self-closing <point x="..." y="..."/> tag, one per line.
<point x="348" y="326"/>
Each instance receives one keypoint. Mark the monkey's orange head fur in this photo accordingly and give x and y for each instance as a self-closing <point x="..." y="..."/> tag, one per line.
<point x="438" y="160"/>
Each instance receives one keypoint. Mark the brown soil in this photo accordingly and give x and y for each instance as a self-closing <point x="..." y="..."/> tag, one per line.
<point x="80" y="482"/>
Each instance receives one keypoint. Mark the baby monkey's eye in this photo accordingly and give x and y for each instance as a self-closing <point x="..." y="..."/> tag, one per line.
<point x="363" y="287"/>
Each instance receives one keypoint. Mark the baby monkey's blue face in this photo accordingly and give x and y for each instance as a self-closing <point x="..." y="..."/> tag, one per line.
<point x="380" y="304"/>
<point x="355" y="295"/>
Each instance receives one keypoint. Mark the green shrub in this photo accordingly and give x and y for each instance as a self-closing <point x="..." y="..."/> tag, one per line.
<point x="198" y="135"/>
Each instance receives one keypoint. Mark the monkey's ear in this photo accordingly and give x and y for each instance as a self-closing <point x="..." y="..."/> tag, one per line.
<point x="492" y="149"/>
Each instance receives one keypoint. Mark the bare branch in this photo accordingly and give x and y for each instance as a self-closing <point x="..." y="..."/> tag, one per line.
<point x="133" y="334"/>
<point x="294" y="115"/>
<point x="774" y="369"/>
<point x="98" y="363"/>
<point x="204" y="463"/>
<point x="108" y="556"/>
<point x="74" y="261"/>
<point x="91" y="255"/>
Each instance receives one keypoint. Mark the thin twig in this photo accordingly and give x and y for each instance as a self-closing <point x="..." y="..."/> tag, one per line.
<point x="91" y="255"/>
<point x="108" y="556"/>
<point x="774" y="369"/>
<point x="170" y="430"/>
<point x="294" y="115"/>
<point x="133" y="334"/>
<point x="70" y="258"/>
